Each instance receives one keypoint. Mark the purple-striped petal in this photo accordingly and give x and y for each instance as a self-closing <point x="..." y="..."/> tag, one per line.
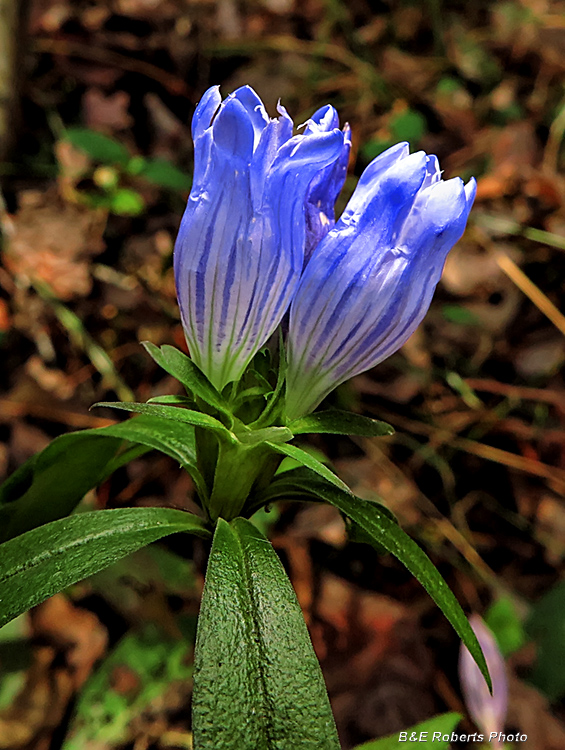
<point x="326" y="185"/>
<point x="370" y="281"/>
<point x="240" y="248"/>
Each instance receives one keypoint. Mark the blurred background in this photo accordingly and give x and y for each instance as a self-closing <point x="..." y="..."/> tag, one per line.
<point x="96" y="99"/>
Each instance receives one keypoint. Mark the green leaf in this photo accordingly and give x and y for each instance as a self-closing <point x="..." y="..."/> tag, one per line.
<point x="249" y="394"/>
<point x="305" y="459"/>
<point x="504" y="621"/>
<point x="303" y="484"/>
<point x="181" y="367"/>
<point x="257" y="683"/>
<point x="152" y="570"/>
<point x="135" y="165"/>
<point x="266" y="434"/>
<point x="339" y="422"/>
<point x="427" y="735"/>
<point x="172" y="399"/>
<point x="546" y="626"/>
<point x="46" y="560"/>
<point x="379" y="527"/>
<point x="52" y="483"/>
<point x="274" y="406"/>
<point x="99" y="147"/>
<point x="409" y="125"/>
<point x="157" y="665"/>
<point x="16" y="657"/>
<point x="165" y="174"/>
<point x="175" y="439"/>
<point x="127" y="202"/>
<point x="460" y="315"/>
<point x="175" y="414"/>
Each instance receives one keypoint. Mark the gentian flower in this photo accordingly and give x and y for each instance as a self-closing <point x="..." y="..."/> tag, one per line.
<point x="326" y="185"/>
<point x="259" y="196"/>
<point x="370" y="280"/>
<point x="487" y="711"/>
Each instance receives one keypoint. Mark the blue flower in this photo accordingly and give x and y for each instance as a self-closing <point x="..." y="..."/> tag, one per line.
<point x="326" y="185"/>
<point x="371" y="279"/>
<point x="257" y="198"/>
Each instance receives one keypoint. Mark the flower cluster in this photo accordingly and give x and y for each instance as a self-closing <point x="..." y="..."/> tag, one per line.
<point x="259" y="238"/>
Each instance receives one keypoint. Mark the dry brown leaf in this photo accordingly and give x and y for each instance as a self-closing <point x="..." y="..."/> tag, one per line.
<point x="50" y="379"/>
<point x="49" y="15"/>
<point x="377" y="475"/>
<point x="376" y="666"/>
<point x="51" y="241"/>
<point x="550" y="528"/>
<point x="25" y="441"/>
<point x="74" y="164"/>
<point x="319" y="521"/>
<point x="40" y="705"/>
<point x="412" y="73"/>
<point x="472" y="272"/>
<point x="343" y="605"/>
<point x="529" y="711"/>
<point x="77" y="631"/>
<point x="4" y="456"/>
<point x="540" y="357"/>
<point x="516" y="148"/>
<point x="147" y="8"/>
<point x="106" y="112"/>
<point x="5" y="317"/>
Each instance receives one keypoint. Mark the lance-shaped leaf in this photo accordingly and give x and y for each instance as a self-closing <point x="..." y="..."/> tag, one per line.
<point x="175" y="414"/>
<point x="170" y="398"/>
<point x="266" y="434"/>
<point x="337" y="422"/>
<point x="275" y="401"/>
<point x="428" y="734"/>
<point x="50" y="484"/>
<point x="181" y="367"/>
<point x="379" y="527"/>
<point x="304" y="458"/>
<point x="98" y="146"/>
<point x="44" y="561"/>
<point x="302" y="484"/>
<point x="257" y="684"/>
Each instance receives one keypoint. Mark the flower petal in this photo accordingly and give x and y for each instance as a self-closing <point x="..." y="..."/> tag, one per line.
<point x="255" y="109"/>
<point x="240" y="247"/>
<point x="488" y="711"/>
<point x="324" y="190"/>
<point x="205" y="111"/>
<point x="369" y="283"/>
<point x="233" y="131"/>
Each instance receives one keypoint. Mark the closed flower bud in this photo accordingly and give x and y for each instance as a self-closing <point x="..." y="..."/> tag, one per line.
<point x="370" y="280"/>
<point x="326" y="185"/>
<point x="487" y="711"/>
<point x="240" y="248"/>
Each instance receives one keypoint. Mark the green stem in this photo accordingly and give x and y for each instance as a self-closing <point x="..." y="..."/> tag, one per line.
<point x="238" y="469"/>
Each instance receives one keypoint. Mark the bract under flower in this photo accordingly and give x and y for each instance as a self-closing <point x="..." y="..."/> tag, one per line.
<point x="240" y="248"/>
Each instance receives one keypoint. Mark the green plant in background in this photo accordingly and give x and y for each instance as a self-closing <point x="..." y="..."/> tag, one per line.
<point x="114" y="167"/>
<point x="404" y="124"/>
<point x="258" y="239"/>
